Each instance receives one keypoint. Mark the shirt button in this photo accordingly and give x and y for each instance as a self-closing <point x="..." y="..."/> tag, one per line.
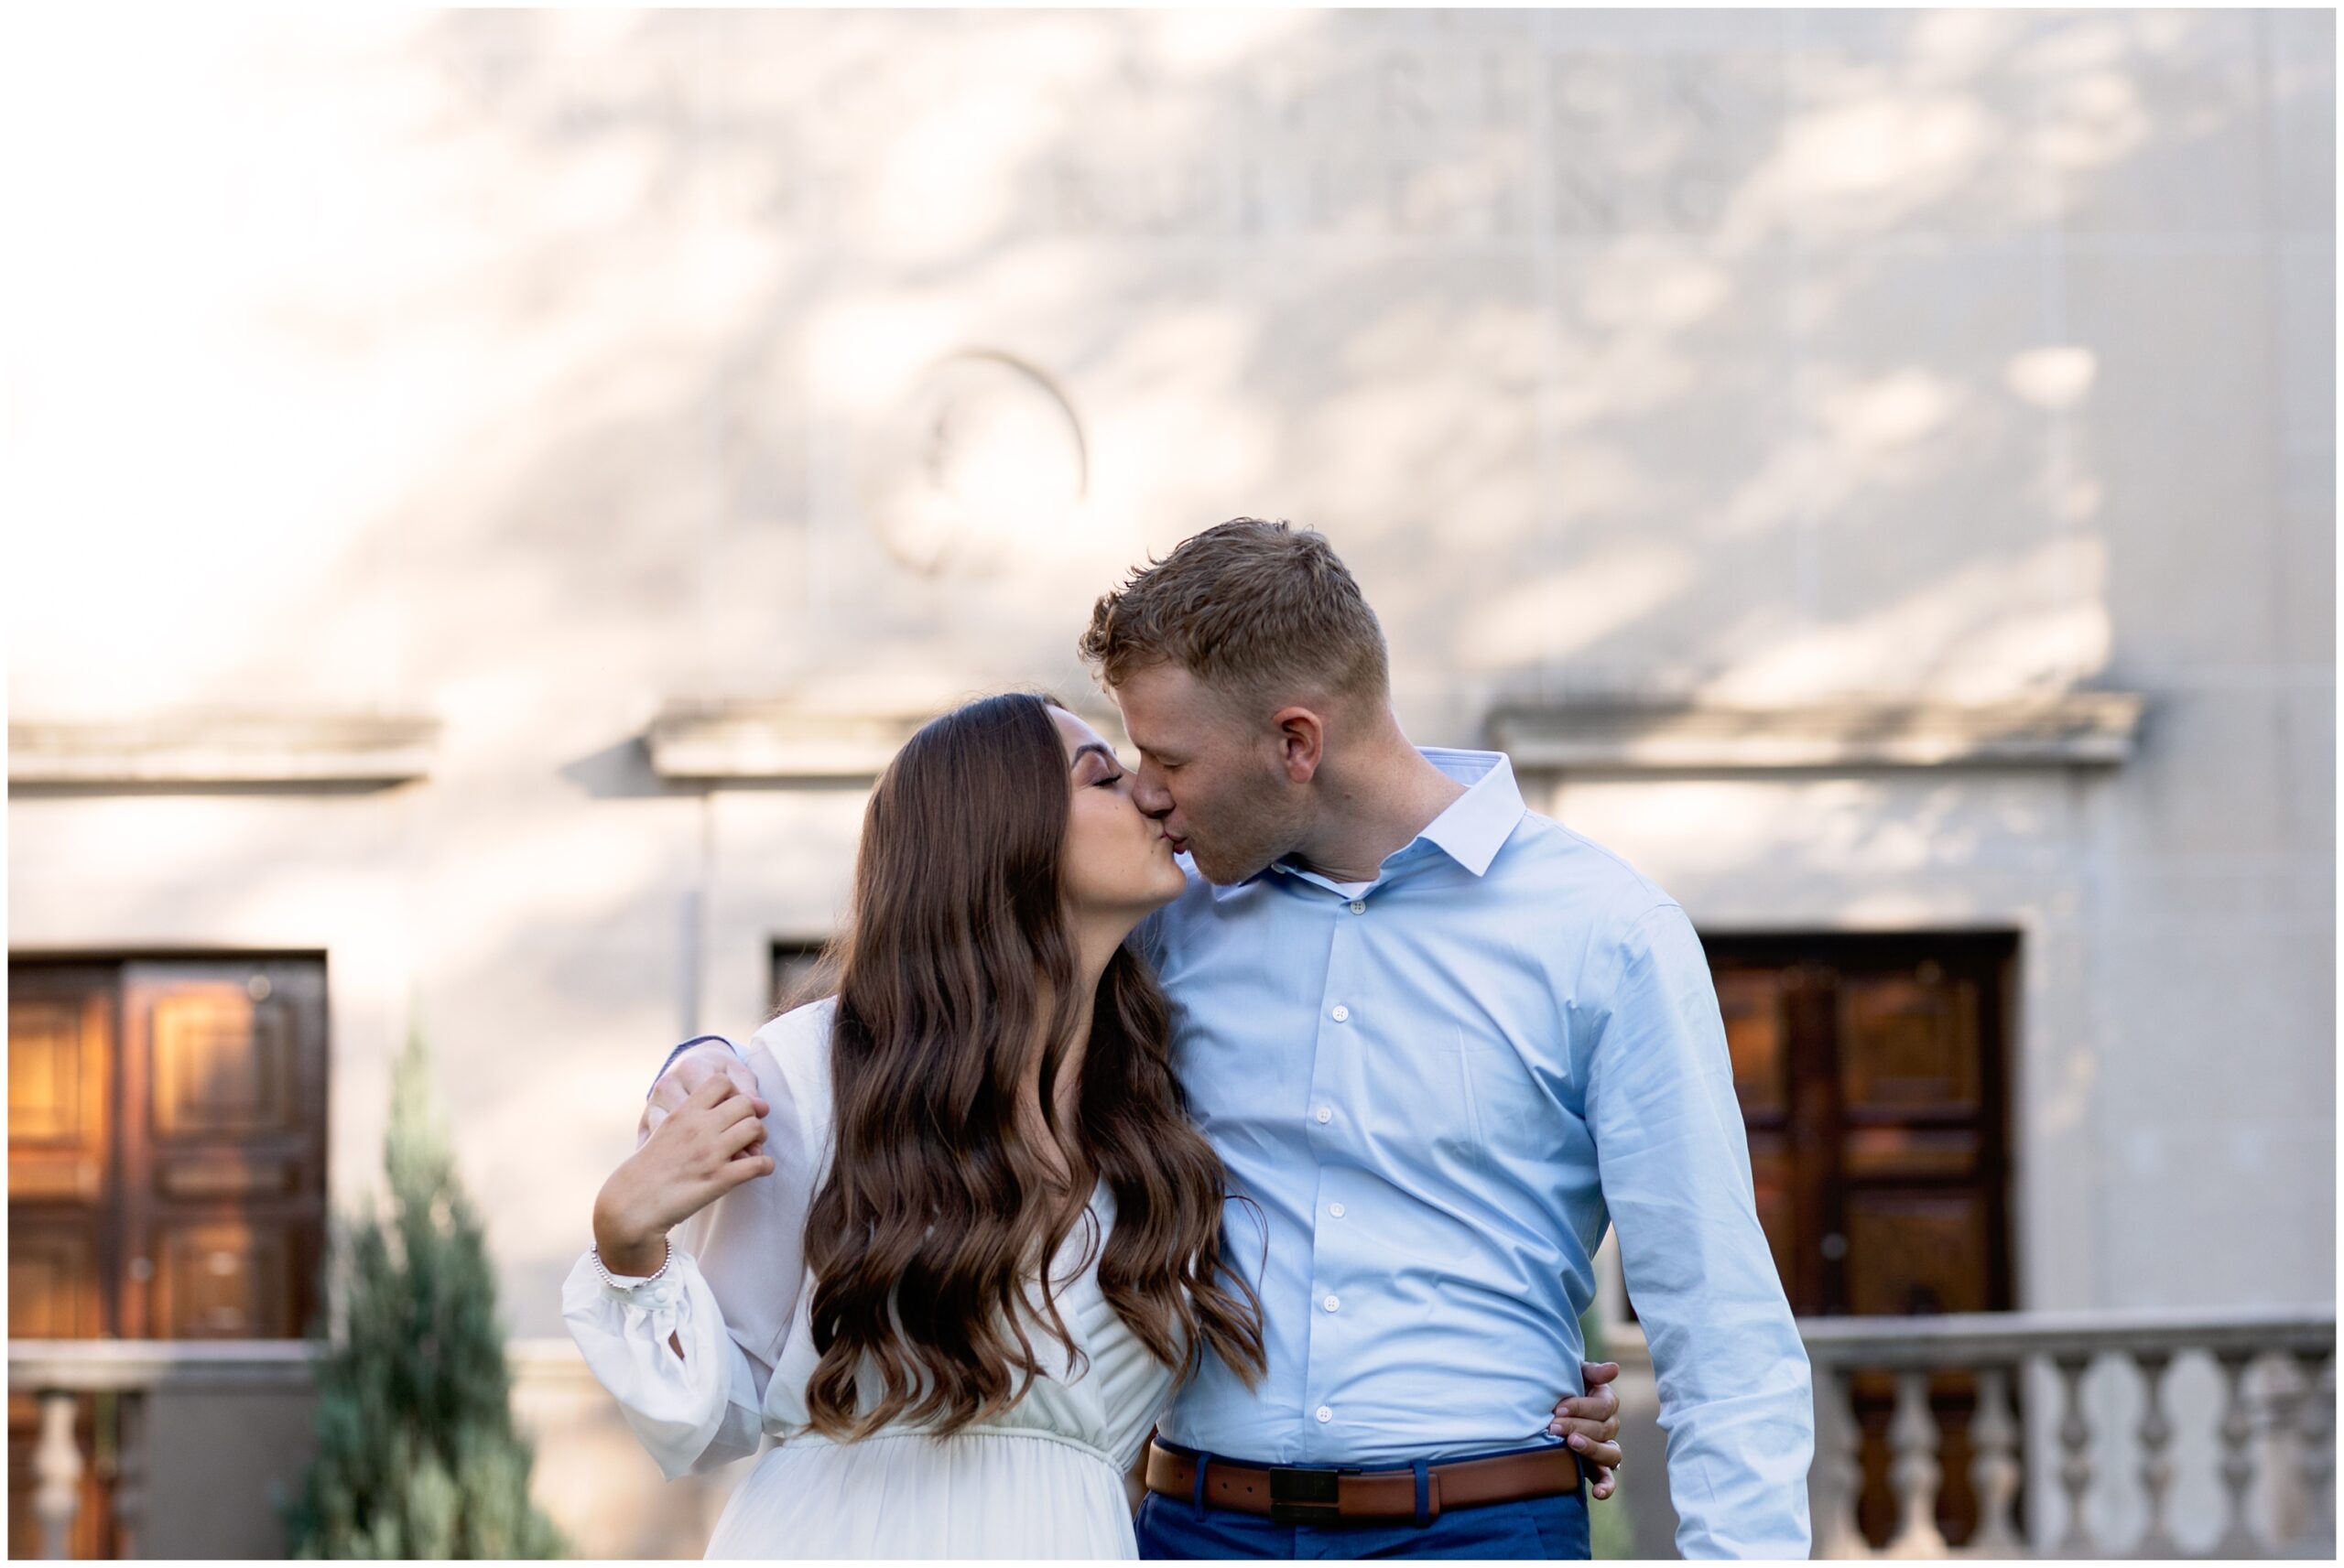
<point x="1336" y="1209"/>
<point x="1326" y="1114"/>
<point x="1358" y="908"/>
<point x="1334" y="1302"/>
<point x="1342" y="1015"/>
<point x="1325" y="1414"/>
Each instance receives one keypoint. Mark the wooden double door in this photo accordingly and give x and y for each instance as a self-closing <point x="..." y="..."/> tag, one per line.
<point x="1872" y="1072"/>
<point x="167" y="1146"/>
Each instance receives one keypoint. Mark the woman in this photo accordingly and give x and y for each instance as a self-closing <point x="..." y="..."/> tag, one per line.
<point x="991" y="1087"/>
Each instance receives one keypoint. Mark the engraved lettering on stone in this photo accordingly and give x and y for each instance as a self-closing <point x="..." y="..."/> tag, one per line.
<point x="1587" y="201"/>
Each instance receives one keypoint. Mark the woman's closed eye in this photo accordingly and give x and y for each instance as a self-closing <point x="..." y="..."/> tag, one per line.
<point x="1105" y="771"/>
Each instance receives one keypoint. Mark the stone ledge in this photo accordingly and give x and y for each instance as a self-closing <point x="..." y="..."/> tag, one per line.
<point x="704" y="741"/>
<point x="2078" y="729"/>
<point x="198" y="747"/>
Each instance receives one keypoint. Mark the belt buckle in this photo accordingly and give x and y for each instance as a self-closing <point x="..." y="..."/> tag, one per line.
<point x="1300" y="1496"/>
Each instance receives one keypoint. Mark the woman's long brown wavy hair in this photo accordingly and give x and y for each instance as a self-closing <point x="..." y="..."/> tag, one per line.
<point x="942" y="1205"/>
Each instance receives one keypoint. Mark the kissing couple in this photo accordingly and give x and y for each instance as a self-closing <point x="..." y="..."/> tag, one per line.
<point x="1236" y="1132"/>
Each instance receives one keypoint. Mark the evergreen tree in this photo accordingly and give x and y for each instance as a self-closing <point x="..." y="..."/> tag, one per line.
<point x="417" y="1456"/>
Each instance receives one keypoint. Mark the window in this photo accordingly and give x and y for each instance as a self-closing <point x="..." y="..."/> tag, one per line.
<point x="800" y="975"/>
<point x="166" y="1147"/>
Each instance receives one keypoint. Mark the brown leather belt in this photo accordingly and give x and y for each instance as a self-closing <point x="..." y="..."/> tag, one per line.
<point x="1294" y="1495"/>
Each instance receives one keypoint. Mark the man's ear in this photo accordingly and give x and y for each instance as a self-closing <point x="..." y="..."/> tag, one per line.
<point x="1302" y="741"/>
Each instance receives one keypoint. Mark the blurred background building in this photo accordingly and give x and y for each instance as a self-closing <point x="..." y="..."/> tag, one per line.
<point x="489" y="490"/>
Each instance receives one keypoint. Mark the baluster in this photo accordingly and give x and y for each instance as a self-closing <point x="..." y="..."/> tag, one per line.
<point x="2237" y="1455"/>
<point x="1839" y="1467"/>
<point x="1994" y="1470"/>
<point x="2075" y="1461"/>
<point x="56" y="1475"/>
<point x="2315" y="1432"/>
<point x="2156" y="1434"/>
<point x="1913" y="1436"/>
<point x="130" y="1476"/>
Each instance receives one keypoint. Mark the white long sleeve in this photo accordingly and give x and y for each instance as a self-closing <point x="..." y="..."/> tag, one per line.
<point x="728" y="1298"/>
<point x="693" y="1412"/>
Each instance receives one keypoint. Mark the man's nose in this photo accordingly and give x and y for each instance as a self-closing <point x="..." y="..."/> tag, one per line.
<point x="1151" y="797"/>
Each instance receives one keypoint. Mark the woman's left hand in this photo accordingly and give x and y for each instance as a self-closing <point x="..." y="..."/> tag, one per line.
<point x="1589" y="1422"/>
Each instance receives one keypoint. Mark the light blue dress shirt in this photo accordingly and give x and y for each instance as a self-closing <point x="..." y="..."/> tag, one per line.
<point x="1437" y="1090"/>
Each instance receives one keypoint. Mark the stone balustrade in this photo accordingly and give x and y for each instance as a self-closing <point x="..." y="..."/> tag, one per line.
<point x="2276" y="1377"/>
<point x="2007" y="1353"/>
<point x="58" y="1372"/>
<point x="204" y="1439"/>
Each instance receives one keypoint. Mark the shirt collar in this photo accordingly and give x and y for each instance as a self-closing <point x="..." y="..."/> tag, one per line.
<point x="1473" y="827"/>
<point x="1479" y="822"/>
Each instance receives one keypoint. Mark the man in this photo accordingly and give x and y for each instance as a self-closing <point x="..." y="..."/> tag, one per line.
<point x="1440" y="1043"/>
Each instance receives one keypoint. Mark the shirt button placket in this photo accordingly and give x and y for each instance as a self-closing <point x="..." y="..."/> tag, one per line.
<point x="1327" y="1250"/>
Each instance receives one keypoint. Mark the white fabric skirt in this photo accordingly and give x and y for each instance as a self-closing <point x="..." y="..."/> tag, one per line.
<point x="994" y="1493"/>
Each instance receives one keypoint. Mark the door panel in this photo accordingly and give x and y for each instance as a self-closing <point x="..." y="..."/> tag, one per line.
<point x="60" y="1048"/>
<point x="1909" y="1045"/>
<point x="56" y="1055"/>
<point x="53" y="1279"/>
<point x="226" y="1064"/>
<point x="224" y="1178"/>
<point x="1917" y="1252"/>
<point x="1757" y="1040"/>
<point x="225" y="1280"/>
<point x="60" y="1212"/>
<point x="1890" y="1153"/>
<point x="1774" y="1173"/>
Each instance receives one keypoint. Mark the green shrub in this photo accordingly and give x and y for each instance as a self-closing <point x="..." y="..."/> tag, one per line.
<point x="418" y="1456"/>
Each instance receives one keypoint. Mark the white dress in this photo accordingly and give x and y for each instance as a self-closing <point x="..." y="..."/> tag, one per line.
<point x="1043" y="1479"/>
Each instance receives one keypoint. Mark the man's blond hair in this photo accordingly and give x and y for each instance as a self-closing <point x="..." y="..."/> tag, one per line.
<point x="1256" y="610"/>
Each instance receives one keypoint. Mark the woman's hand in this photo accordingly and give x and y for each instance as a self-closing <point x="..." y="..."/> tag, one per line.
<point x="688" y="1072"/>
<point x="696" y="1156"/>
<point x="1589" y="1422"/>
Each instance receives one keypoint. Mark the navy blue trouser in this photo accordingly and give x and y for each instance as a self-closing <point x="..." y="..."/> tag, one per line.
<point x="1536" y="1527"/>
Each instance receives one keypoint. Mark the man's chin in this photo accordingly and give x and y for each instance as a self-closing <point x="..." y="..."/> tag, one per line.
<point x="1223" y="873"/>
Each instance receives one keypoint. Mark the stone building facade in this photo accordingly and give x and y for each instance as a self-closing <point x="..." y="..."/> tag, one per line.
<point x="497" y="485"/>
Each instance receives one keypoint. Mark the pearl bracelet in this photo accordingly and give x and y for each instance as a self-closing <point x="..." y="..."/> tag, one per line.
<point x="609" y="1278"/>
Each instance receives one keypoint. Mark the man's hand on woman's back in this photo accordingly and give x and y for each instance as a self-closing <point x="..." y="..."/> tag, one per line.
<point x="1589" y="1422"/>
<point x="687" y="1073"/>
